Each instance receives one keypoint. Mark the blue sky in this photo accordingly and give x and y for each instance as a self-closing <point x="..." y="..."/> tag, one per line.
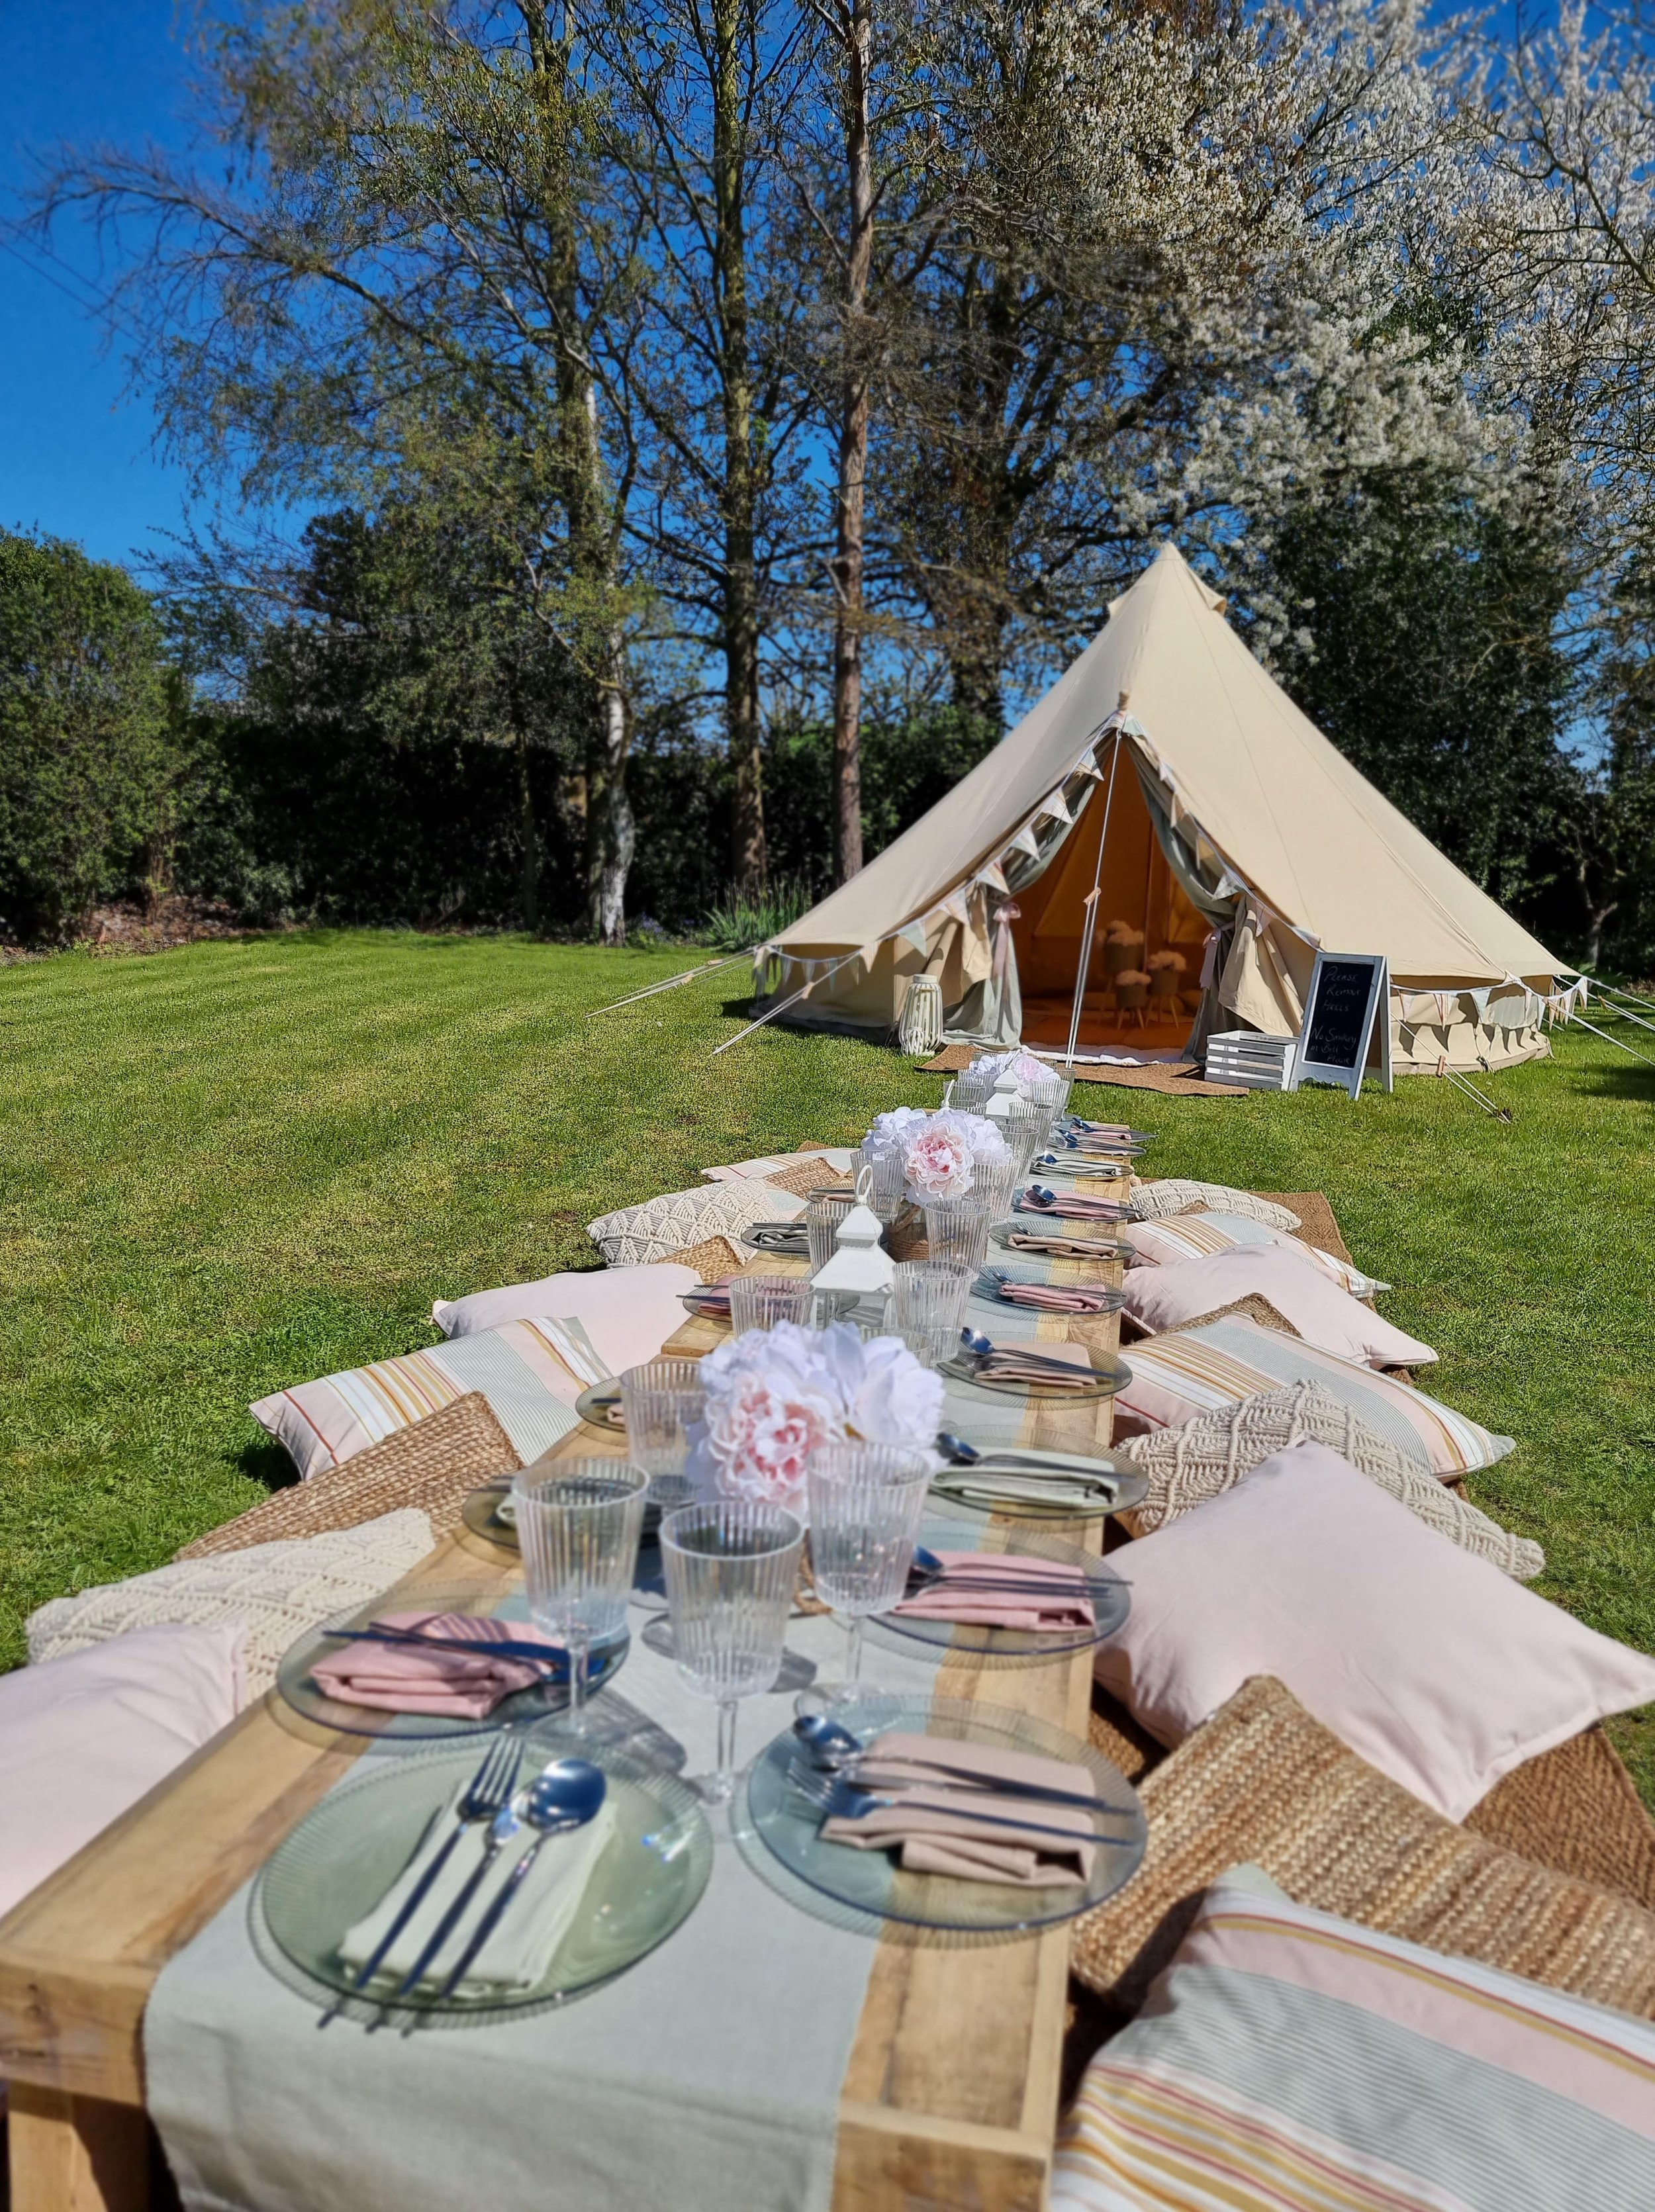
<point x="76" y="456"/>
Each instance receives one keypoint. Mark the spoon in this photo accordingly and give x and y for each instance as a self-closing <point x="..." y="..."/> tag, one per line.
<point x="960" y="1454"/>
<point x="979" y="1349"/>
<point x="833" y="1749"/>
<point x="928" y="1569"/>
<point x="565" y="1795"/>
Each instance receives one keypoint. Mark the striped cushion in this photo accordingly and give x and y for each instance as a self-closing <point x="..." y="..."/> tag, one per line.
<point x="1196" y="1371"/>
<point x="1291" y="2059"/>
<point x="1198" y="1235"/>
<point x="531" y="1372"/>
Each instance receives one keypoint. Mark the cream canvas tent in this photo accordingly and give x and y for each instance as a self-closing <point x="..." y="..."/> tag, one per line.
<point x="1235" y="840"/>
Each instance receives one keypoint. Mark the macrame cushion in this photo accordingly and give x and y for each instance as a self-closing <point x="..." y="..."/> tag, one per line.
<point x="1189" y="1465"/>
<point x="1296" y="2058"/>
<point x="1176" y="1194"/>
<point x="83" y="1737"/>
<point x="1428" y="1662"/>
<point x="1212" y="1364"/>
<point x="434" y="1465"/>
<point x="1176" y="1237"/>
<point x="1173" y="1296"/>
<point x="635" y="1235"/>
<point x="1263" y="1781"/>
<point x="274" y="1591"/>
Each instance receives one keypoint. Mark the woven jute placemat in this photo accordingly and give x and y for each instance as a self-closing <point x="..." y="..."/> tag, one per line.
<point x="804" y="1176"/>
<point x="434" y="1464"/>
<point x="1254" y="1307"/>
<point x="1263" y="1782"/>
<point x="712" y="1259"/>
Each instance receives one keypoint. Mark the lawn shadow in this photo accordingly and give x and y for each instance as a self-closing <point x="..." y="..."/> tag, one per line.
<point x="1620" y="1082"/>
<point x="268" y="1463"/>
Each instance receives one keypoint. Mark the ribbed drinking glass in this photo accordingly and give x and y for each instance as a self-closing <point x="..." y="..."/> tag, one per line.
<point x="1025" y="1128"/>
<point x="732" y="1566"/>
<point x="927" y="1304"/>
<point x="957" y="1230"/>
<point x="761" y="1301"/>
<point x="659" y="1401"/>
<point x="1051" y="1090"/>
<point x="866" y="1505"/>
<point x="579" y="1528"/>
<point x="974" y="1086"/>
<point x="889" y="1191"/>
<point x="823" y="1215"/>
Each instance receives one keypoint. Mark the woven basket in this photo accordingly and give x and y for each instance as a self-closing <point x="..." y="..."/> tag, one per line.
<point x="1264" y="1783"/>
<point x="434" y="1464"/>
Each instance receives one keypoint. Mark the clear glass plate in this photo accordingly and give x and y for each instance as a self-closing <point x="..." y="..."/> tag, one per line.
<point x="1111" y="1598"/>
<point x="1107" y="1374"/>
<point x="337" y="1864"/>
<point x="987" y="1288"/>
<point x="1105" y="1248"/>
<point x="871" y="1882"/>
<point x="299" y="1687"/>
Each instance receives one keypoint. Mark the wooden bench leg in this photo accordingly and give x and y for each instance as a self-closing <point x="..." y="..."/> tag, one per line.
<point x="75" y="2153"/>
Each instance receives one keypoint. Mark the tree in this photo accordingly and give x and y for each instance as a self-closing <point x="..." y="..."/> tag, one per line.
<point x="87" y="760"/>
<point x="1608" y="829"/>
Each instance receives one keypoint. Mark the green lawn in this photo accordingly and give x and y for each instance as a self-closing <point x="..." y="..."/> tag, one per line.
<point x="231" y="1168"/>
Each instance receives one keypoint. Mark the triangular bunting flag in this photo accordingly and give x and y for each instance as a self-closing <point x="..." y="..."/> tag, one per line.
<point x="994" y="875"/>
<point x="916" y="934"/>
<point x="954" y="906"/>
<point x="1055" y="807"/>
<point x="1025" y="842"/>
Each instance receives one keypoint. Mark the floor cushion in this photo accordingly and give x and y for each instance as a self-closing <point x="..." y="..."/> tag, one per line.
<point x="83" y="1737"/>
<point x="1172" y="1295"/>
<point x="1178" y="1195"/>
<point x="1291" y="2059"/>
<point x="634" y="1236"/>
<point x="628" y="1313"/>
<point x="1176" y="1237"/>
<point x="531" y="1372"/>
<point x="1189" y="1464"/>
<point x="1263" y="1780"/>
<point x="1429" y="1663"/>
<point x="274" y="1591"/>
<point x="1189" y="1372"/>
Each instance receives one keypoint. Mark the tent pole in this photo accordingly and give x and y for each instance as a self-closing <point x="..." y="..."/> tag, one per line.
<point x="1092" y="911"/>
<point x="1608" y="1039"/>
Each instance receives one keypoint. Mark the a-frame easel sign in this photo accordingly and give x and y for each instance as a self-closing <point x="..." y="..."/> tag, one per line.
<point x="1349" y="994"/>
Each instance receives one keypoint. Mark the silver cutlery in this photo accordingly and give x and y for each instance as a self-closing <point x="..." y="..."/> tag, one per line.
<point x="978" y="1351"/>
<point x="489" y="1789"/>
<point x="841" y="1799"/>
<point x="816" y="1735"/>
<point x="958" y="1453"/>
<point x="468" y="1647"/>
<point x="929" y="1572"/>
<point x="569" y="1794"/>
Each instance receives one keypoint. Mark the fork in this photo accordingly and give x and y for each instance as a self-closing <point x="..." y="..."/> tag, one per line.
<point x="811" y="1779"/>
<point x="487" y="1792"/>
<point x="849" y="1800"/>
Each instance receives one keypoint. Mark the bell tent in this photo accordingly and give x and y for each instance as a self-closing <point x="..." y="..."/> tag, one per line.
<point x="1227" y="839"/>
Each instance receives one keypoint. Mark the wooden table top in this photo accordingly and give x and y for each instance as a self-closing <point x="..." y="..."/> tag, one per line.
<point x="951" y="2095"/>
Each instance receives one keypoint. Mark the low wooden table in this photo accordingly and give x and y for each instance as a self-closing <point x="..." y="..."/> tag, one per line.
<point x="950" y="2099"/>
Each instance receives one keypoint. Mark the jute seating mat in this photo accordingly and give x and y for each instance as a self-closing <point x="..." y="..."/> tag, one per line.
<point x="1317" y="1224"/>
<point x="712" y="1259"/>
<point x="1253" y="1306"/>
<point x="1173" y="1079"/>
<point x="1577" y="1808"/>
<point x="434" y="1464"/>
<point x="802" y="1178"/>
<point x="1263" y="1782"/>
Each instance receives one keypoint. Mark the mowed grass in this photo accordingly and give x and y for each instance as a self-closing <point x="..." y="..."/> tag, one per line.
<point x="235" y="1167"/>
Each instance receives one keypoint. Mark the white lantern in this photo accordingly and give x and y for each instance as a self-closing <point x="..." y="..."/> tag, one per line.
<point x="1008" y="1097"/>
<point x="860" y="1263"/>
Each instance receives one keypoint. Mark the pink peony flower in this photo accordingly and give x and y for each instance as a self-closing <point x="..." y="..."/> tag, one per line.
<point x="938" y="1161"/>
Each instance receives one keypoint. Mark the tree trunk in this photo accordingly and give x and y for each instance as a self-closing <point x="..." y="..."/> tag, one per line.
<point x="856" y="29"/>
<point x="740" y="622"/>
<point x="529" y="879"/>
<point x="611" y="830"/>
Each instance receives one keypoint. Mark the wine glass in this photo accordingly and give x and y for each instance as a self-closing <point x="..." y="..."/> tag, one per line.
<point x="866" y="1504"/>
<point x="732" y="1566"/>
<point x="579" y="1527"/>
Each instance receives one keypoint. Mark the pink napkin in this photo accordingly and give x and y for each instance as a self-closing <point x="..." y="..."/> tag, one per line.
<point x="1056" y="1246"/>
<point x="934" y="1829"/>
<point x="1033" y="1364"/>
<point x="711" y="1300"/>
<point x="1115" y="1133"/>
<point x="1056" y="1298"/>
<point x="1072" y="1205"/>
<point x="1068" y="1607"/>
<point x="397" y="1679"/>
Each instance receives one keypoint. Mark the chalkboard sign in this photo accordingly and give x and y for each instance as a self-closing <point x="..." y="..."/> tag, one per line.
<point x="1349" y="995"/>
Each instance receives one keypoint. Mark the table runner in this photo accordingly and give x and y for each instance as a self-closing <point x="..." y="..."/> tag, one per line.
<point x="706" y="2079"/>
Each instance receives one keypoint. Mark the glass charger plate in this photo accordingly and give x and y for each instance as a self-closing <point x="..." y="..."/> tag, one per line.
<point x="1111" y="1599"/>
<point x="482" y="1514"/>
<point x="337" y="1864"/>
<point x="1103" y="1167"/>
<point x="1107" y="1377"/>
<point x="299" y="1687"/>
<point x="989" y="1282"/>
<point x="871" y="1882"/>
<point x="1106" y="1251"/>
<point x="599" y="1403"/>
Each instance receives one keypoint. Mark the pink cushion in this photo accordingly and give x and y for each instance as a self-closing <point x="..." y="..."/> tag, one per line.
<point x="83" y="1737"/>
<point x="1169" y="1297"/>
<point x="628" y="1312"/>
<point x="1429" y="1662"/>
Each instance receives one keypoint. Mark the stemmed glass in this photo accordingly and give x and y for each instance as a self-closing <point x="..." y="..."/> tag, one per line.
<point x="579" y="1528"/>
<point x="866" y="1505"/>
<point x="732" y="1566"/>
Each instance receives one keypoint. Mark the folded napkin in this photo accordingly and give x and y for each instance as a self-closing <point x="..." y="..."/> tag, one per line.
<point x="1068" y="1606"/>
<point x="524" y="1943"/>
<point x="934" y="1829"/>
<point x="990" y="1487"/>
<point x="398" y="1679"/>
<point x="1070" y="1206"/>
<point x="1058" y="1298"/>
<point x="1056" y="1246"/>
<point x="710" y="1300"/>
<point x="1039" y="1366"/>
<point x="1113" y="1132"/>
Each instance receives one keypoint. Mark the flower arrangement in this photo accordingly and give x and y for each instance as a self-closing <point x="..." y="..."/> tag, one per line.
<point x="941" y="1153"/>
<point x="774" y="1394"/>
<point x="1023" y="1064"/>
